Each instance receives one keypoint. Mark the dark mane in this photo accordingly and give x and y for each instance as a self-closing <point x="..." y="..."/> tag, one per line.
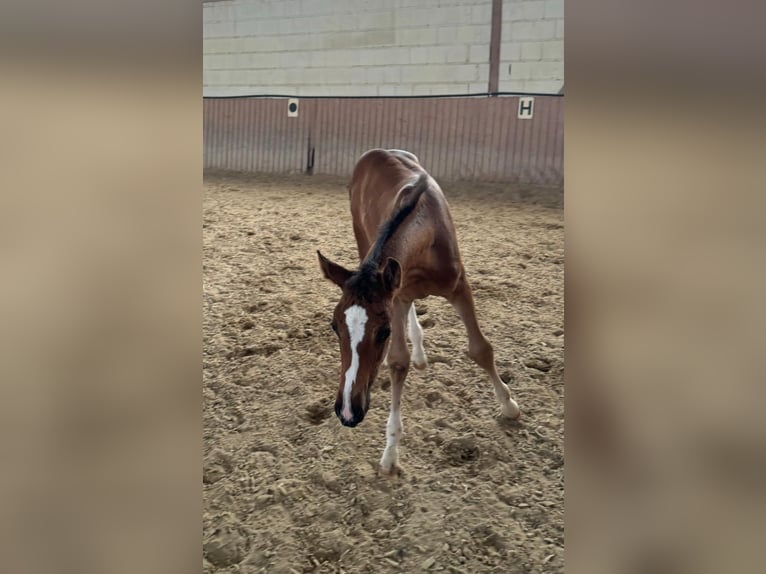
<point x="365" y="284"/>
<point x="411" y="194"/>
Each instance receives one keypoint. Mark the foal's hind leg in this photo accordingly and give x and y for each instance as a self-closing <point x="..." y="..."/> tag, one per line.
<point x="479" y="349"/>
<point x="398" y="364"/>
<point x="415" y="332"/>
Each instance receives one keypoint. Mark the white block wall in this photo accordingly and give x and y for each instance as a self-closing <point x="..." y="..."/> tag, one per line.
<point x="372" y="47"/>
<point x="532" y="46"/>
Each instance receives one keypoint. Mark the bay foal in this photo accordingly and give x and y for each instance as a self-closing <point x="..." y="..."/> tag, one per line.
<point x="408" y="250"/>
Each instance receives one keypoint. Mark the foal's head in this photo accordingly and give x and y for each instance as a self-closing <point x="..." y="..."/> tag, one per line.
<point x="362" y="322"/>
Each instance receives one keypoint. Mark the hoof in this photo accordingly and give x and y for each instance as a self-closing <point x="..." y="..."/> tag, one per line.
<point x="389" y="464"/>
<point x="390" y="472"/>
<point x="511" y="411"/>
<point x="420" y="362"/>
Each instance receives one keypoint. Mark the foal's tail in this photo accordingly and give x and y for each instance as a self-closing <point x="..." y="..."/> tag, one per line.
<point x="409" y="196"/>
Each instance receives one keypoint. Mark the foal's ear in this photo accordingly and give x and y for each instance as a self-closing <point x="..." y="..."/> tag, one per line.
<point x="333" y="271"/>
<point x="391" y="275"/>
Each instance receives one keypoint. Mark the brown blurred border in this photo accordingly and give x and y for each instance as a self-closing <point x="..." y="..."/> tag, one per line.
<point x="100" y="219"/>
<point x="99" y="231"/>
<point x="664" y="156"/>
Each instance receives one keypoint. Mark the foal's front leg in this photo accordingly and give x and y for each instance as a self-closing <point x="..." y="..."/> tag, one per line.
<point x="398" y="365"/>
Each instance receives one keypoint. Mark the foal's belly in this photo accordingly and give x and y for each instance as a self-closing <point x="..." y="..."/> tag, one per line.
<point x="422" y="282"/>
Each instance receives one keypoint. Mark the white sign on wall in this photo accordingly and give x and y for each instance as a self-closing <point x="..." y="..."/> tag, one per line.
<point x="292" y="108"/>
<point x="526" y="108"/>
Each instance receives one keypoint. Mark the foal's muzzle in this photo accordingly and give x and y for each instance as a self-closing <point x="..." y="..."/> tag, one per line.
<point x="357" y="414"/>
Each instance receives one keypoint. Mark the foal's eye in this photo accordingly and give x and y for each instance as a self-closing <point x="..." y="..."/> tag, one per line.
<point x="383" y="334"/>
<point x="334" y="326"/>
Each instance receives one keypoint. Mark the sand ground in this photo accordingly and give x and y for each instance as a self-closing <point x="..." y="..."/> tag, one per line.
<point x="286" y="487"/>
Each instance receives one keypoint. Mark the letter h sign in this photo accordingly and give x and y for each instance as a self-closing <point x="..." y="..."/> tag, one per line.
<point x="526" y="108"/>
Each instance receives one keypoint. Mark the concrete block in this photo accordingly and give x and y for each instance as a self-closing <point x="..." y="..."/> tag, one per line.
<point x="216" y="45"/>
<point x="510" y="52"/>
<point x="469" y="35"/>
<point x="215" y="77"/>
<point x="219" y="30"/>
<point x="316" y="90"/>
<point x="267" y="60"/>
<point x="533" y="10"/>
<point x="391" y="56"/>
<point x="387" y="90"/>
<point x="392" y="74"/>
<point x="379" y="38"/>
<point x="319" y="24"/>
<point x="254" y="44"/>
<point x="299" y="59"/>
<point x="513" y="11"/>
<point x="217" y="91"/>
<point x="540" y="30"/>
<point x="455" y="54"/>
<point x="465" y="12"/>
<point x="553" y="50"/>
<point x="479" y="53"/>
<point x="247" y="28"/>
<point x="543" y="86"/>
<point x="482" y="13"/>
<point x="374" y="75"/>
<point x="280" y="76"/>
<point x="548" y="71"/>
<point x="289" y="8"/>
<point x="464" y="73"/>
<point x="439" y="54"/>
<point x="540" y="71"/>
<point x="214" y="61"/>
<point x="529" y="10"/>
<point x="531" y="51"/>
<point x="446" y="16"/>
<point x="473" y="35"/>
<point x="415" y="18"/>
<point x="414" y="74"/>
<point x="367" y="56"/>
<point x="477" y="87"/>
<point x="376" y="21"/>
<point x="316" y="7"/>
<point x="358" y="76"/>
<point x="559" y="29"/>
<point x="512" y="85"/>
<point x="342" y="58"/>
<point x="340" y="76"/>
<point x="447" y="89"/>
<point x="519" y="31"/>
<point x="237" y="61"/>
<point x="554" y="9"/>
<point x="317" y="59"/>
<point x="558" y="70"/>
<point x="365" y="90"/>
<point x="439" y="73"/>
<point x="415" y="36"/>
<point x="421" y="55"/>
<point x="311" y="76"/>
<point x="521" y="70"/>
<point x="482" y="72"/>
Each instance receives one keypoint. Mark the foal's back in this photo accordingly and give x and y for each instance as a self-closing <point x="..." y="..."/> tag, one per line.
<point x="425" y="245"/>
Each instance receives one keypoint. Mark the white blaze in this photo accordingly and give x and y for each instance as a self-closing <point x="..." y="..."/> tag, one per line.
<point x="356" y="318"/>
